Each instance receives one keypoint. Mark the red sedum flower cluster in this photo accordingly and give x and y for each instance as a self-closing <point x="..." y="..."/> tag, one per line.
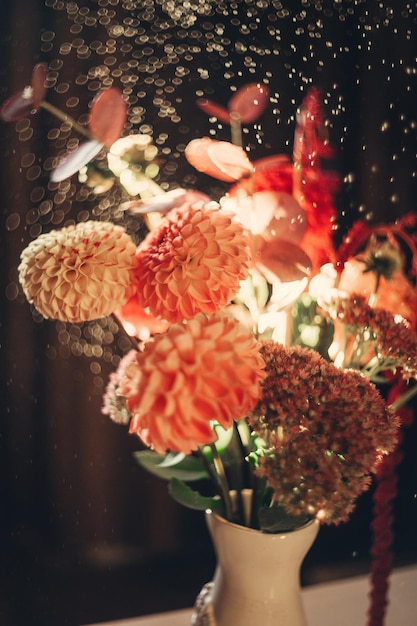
<point x="394" y="341"/>
<point x="319" y="421"/>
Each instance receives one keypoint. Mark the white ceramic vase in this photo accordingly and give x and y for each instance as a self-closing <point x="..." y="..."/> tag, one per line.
<point x="257" y="578"/>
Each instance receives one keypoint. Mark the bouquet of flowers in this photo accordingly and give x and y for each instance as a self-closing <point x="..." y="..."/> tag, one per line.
<point x="254" y="364"/>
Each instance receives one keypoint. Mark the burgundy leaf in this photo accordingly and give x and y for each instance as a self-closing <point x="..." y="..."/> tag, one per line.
<point x="28" y="100"/>
<point x="249" y="102"/>
<point x="18" y="106"/>
<point x="108" y="116"/>
<point x="216" y="110"/>
<point x="39" y="74"/>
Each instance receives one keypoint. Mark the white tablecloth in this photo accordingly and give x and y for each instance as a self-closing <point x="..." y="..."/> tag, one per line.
<point x="340" y="603"/>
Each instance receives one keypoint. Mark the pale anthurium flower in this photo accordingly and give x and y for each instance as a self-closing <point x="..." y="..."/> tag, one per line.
<point x="319" y="420"/>
<point x="277" y="223"/>
<point x="322" y="285"/>
<point x="219" y="159"/>
<point x="129" y="151"/>
<point x="193" y="262"/>
<point x="199" y="372"/>
<point x="95" y="178"/>
<point x="272" y="214"/>
<point x="132" y="160"/>
<point x="79" y="273"/>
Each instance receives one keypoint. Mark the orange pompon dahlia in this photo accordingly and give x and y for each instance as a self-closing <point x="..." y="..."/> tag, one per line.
<point x="192" y="263"/>
<point x="199" y="372"/>
<point x="79" y="273"/>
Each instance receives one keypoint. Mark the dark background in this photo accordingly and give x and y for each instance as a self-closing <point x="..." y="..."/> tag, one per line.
<point x="85" y="534"/>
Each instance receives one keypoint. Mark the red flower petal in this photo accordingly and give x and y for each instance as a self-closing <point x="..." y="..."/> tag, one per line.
<point x="137" y="322"/>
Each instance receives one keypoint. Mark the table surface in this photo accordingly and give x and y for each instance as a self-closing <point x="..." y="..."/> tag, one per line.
<point x="343" y="602"/>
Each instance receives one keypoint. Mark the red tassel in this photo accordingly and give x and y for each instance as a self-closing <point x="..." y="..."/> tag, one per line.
<point x="382" y="523"/>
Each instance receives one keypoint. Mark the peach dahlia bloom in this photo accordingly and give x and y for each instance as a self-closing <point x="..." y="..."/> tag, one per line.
<point x="192" y="263"/>
<point x="79" y="273"/>
<point x="204" y="370"/>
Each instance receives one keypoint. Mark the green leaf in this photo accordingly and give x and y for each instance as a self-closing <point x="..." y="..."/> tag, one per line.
<point x="182" y="467"/>
<point x="172" y="458"/>
<point x="224" y="437"/>
<point x="183" y="494"/>
<point x="275" y="519"/>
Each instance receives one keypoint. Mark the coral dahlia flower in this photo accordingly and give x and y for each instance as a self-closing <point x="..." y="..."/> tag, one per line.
<point x="198" y="372"/>
<point x="192" y="263"/>
<point x="79" y="273"/>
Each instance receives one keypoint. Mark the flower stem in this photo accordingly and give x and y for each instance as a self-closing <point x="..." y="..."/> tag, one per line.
<point x="123" y="331"/>
<point x="404" y="398"/>
<point x="221" y="475"/>
<point x="236" y="129"/>
<point x="209" y="468"/>
<point x="66" y="118"/>
<point x="242" y="434"/>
